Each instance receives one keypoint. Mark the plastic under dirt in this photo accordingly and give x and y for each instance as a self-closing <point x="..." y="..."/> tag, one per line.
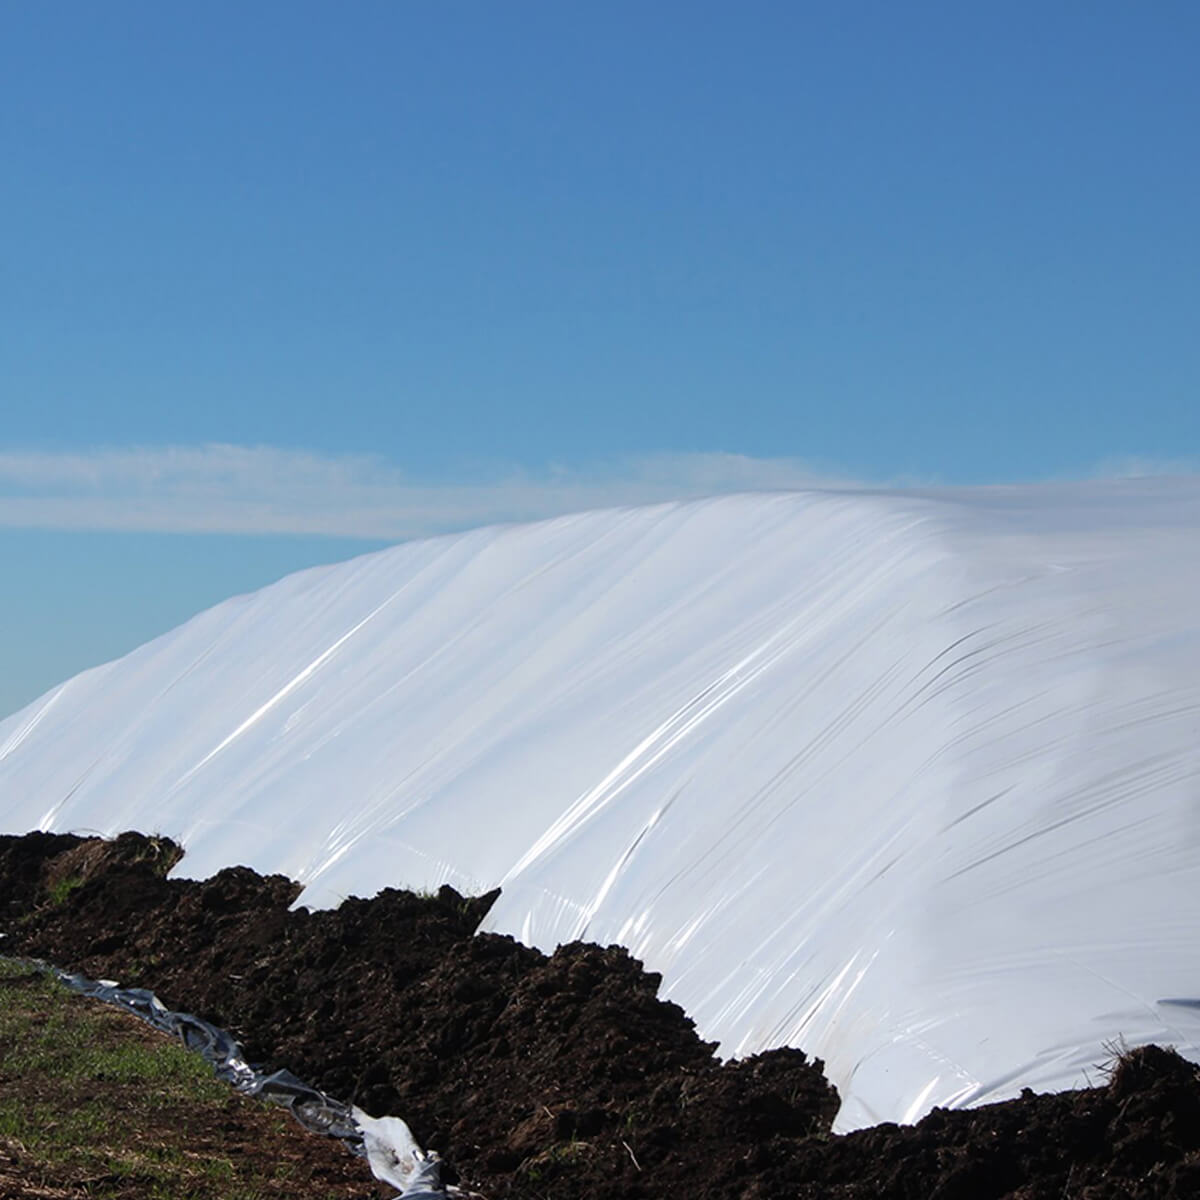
<point x="560" y="1075"/>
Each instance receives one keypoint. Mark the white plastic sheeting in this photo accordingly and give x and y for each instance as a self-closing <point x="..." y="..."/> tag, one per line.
<point x="396" y="1158"/>
<point x="911" y="781"/>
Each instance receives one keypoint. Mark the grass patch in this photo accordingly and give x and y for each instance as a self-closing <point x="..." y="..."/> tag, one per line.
<point x="93" y="1103"/>
<point x="60" y="889"/>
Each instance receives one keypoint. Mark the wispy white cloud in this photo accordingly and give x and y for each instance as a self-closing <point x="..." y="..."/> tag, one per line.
<point x="268" y="489"/>
<point x="265" y="489"/>
<point x="1142" y="467"/>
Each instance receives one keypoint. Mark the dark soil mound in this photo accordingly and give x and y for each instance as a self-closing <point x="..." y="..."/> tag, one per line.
<point x="559" y="1076"/>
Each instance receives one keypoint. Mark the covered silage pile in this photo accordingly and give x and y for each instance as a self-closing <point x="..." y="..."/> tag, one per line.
<point x="906" y="780"/>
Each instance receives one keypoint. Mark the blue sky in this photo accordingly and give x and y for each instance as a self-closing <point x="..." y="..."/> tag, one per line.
<point x="286" y="280"/>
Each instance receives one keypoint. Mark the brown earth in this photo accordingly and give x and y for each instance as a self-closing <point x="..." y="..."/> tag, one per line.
<point x="560" y="1076"/>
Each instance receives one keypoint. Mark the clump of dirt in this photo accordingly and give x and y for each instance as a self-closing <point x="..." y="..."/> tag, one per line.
<point x="96" y="856"/>
<point x="25" y="866"/>
<point x="559" y="1075"/>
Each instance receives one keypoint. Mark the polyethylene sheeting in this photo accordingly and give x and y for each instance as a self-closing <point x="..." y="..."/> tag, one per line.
<point x="911" y="781"/>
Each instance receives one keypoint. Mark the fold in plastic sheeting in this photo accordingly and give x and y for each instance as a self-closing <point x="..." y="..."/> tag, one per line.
<point x="396" y="1158"/>
<point x="909" y="780"/>
<point x="387" y="1143"/>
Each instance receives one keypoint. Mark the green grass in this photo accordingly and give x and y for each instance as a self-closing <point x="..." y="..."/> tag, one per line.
<point x="58" y="892"/>
<point x="93" y="1104"/>
<point x="71" y="1043"/>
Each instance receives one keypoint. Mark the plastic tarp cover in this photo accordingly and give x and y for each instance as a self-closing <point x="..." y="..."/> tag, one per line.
<point x="909" y="780"/>
<point x="396" y="1158"/>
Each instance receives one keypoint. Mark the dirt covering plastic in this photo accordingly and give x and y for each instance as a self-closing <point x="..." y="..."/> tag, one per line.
<point x="562" y="1075"/>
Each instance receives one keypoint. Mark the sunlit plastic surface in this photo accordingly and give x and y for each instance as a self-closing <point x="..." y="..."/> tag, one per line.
<point x="911" y="781"/>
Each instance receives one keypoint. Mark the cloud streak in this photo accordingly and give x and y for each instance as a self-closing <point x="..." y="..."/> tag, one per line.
<point x="269" y="490"/>
<point x="1141" y="467"/>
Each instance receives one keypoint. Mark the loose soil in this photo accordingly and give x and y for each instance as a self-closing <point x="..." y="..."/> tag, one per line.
<point x="562" y="1076"/>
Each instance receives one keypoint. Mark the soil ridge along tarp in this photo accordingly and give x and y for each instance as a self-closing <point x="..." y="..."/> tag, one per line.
<point x="559" y="1075"/>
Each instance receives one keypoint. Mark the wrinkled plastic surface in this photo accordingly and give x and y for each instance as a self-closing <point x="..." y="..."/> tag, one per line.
<point x="911" y="781"/>
<point x="396" y="1158"/>
<point x="386" y="1143"/>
